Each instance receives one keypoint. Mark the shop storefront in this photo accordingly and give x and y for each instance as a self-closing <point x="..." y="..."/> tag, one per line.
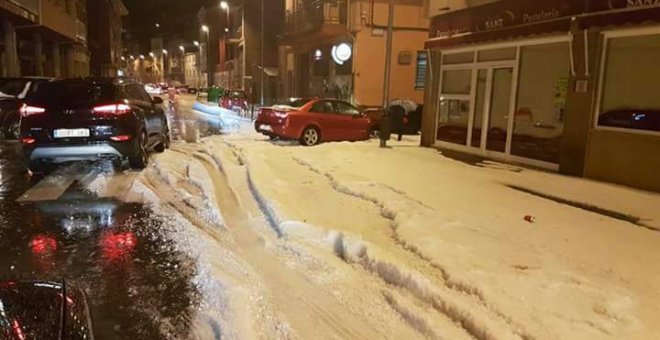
<point x="563" y="85"/>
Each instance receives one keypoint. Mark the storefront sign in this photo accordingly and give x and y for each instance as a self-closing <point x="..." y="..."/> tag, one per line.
<point x="499" y="15"/>
<point x="613" y="5"/>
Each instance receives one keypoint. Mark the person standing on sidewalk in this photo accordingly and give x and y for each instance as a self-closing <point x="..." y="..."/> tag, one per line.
<point x="397" y="115"/>
<point x="385" y="127"/>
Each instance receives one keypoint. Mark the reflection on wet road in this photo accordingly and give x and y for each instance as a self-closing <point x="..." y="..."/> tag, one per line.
<point x="138" y="285"/>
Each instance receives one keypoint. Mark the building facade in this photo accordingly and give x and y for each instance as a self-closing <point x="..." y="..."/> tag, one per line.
<point x="192" y="74"/>
<point x="316" y="31"/>
<point x="559" y="84"/>
<point x="242" y="45"/>
<point x="105" y="40"/>
<point x="44" y="38"/>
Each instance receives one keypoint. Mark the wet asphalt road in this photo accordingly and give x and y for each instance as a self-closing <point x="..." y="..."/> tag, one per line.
<point x="138" y="285"/>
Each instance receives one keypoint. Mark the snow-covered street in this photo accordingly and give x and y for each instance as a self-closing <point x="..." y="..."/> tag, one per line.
<point x="346" y="240"/>
<point x="231" y="235"/>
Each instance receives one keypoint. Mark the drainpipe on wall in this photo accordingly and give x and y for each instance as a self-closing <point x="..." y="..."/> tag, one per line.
<point x="388" y="55"/>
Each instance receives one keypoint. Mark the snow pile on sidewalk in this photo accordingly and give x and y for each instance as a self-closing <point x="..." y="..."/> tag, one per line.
<point x="454" y="236"/>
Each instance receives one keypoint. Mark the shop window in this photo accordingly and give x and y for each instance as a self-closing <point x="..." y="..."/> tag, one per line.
<point x="456" y="81"/>
<point x="344" y="69"/>
<point x="320" y="64"/>
<point x="629" y="98"/>
<point x="420" y="73"/>
<point x="458" y="58"/>
<point x="542" y="88"/>
<point x="498" y="54"/>
<point x="453" y="120"/>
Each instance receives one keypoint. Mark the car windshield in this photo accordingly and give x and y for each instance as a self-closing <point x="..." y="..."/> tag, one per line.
<point x="12" y="87"/>
<point x="72" y="94"/>
<point x="298" y="102"/>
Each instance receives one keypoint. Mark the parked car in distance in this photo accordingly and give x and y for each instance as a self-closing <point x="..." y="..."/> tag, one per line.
<point x="12" y="93"/>
<point x="81" y="119"/>
<point x="314" y="121"/>
<point x="234" y="100"/>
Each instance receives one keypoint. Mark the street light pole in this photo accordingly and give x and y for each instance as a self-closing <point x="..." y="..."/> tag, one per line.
<point x="225" y="6"/>
<point x="206" y="30"/>
<point x="263" y="69"/>
<point x="388" y="55"/>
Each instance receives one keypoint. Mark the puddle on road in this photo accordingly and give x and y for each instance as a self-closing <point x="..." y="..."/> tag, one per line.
<point x="138" y="285"/>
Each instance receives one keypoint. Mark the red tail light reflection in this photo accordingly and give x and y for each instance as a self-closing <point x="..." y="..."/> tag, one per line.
<point x="119" y="245"/>
<point x="18" y="330"/>
<point x="42" y="244"/>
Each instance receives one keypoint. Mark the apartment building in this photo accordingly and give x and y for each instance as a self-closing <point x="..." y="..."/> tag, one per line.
<point x="566" y="85"/>
<point x="105" y="39"/>
<point x="44" y="38"/>
<point x="337" y="48"/>
<point x="243" y="44"/>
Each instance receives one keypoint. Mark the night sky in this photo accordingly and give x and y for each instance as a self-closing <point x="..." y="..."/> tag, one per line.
<point x="177" y="19"/>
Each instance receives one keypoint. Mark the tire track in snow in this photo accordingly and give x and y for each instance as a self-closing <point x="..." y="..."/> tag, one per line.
<point x="331" y="313"/>
<point x="454" y="312"/>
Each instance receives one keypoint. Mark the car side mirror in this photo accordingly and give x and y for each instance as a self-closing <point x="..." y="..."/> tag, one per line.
<point x="158" y="100"/>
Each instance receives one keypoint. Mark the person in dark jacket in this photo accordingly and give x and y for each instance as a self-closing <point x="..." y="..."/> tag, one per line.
<point x="385" y="128"/>
<point x="397" y="114"/>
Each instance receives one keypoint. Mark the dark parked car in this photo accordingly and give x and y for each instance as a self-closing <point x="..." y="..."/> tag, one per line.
<point x="648" y="120"/>
<point x="12" y="93"/>
<point x="43" y="310"/>
<point x="81" y="119"/>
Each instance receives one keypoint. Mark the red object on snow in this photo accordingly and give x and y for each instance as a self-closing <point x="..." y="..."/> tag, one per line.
<point x="530" y="218"/>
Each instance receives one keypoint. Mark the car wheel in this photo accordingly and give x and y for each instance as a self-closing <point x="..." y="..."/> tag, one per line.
<point x="310" y="136"/>
<point x="273" y="137"/>
<point x="164" y="144"/>
<point x="140" y="157"/>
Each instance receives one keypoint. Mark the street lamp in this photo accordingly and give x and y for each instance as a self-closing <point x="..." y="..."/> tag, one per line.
<point x="142" y="56"/>
<point x="182" y="49"/>
<point x="151" y="54"/>
<point x="164" y="51"/>
<point x="224" y="5"/>
<point x="205" y="28"/>
<point x="196" y="43"/>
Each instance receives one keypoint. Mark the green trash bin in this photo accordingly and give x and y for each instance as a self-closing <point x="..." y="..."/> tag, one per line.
<point x="214" y="94"/>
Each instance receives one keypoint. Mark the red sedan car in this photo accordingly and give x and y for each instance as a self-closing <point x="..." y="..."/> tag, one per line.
<point x="314" y="121"/>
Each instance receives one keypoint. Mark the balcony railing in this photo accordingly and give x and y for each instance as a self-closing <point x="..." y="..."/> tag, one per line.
<point x="314" y="14"/>
<point x="30" y="5"/>
<point x="81" y="31"/>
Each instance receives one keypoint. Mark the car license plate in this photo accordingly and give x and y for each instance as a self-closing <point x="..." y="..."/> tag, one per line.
<point x="71" y="133"/>
<point x="265" y="128"/>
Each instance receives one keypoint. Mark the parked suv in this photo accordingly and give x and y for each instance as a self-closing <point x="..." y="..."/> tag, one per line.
<point x="79" y="119"/>
<point x="12" y="93"/>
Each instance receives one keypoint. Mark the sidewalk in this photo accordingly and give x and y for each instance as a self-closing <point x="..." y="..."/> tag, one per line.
<point x="586" y="267"/>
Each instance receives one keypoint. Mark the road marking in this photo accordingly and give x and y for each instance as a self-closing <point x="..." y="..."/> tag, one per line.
<point x="50" y="188"/>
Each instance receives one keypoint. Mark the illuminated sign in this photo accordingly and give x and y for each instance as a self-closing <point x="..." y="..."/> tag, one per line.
<point x="341" y="53"/>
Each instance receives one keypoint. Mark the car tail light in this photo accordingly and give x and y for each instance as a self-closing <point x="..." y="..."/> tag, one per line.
<point x="115" y="109"/>
<point x="28" y="140"/>
<point x="121" y="138"/>
<point x="27" y="110"/>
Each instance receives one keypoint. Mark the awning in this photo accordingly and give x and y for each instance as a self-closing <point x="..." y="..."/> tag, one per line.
<point x="620" y="17"/>
<point x="555" y="26"/>
<point x="509" y="19"/>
